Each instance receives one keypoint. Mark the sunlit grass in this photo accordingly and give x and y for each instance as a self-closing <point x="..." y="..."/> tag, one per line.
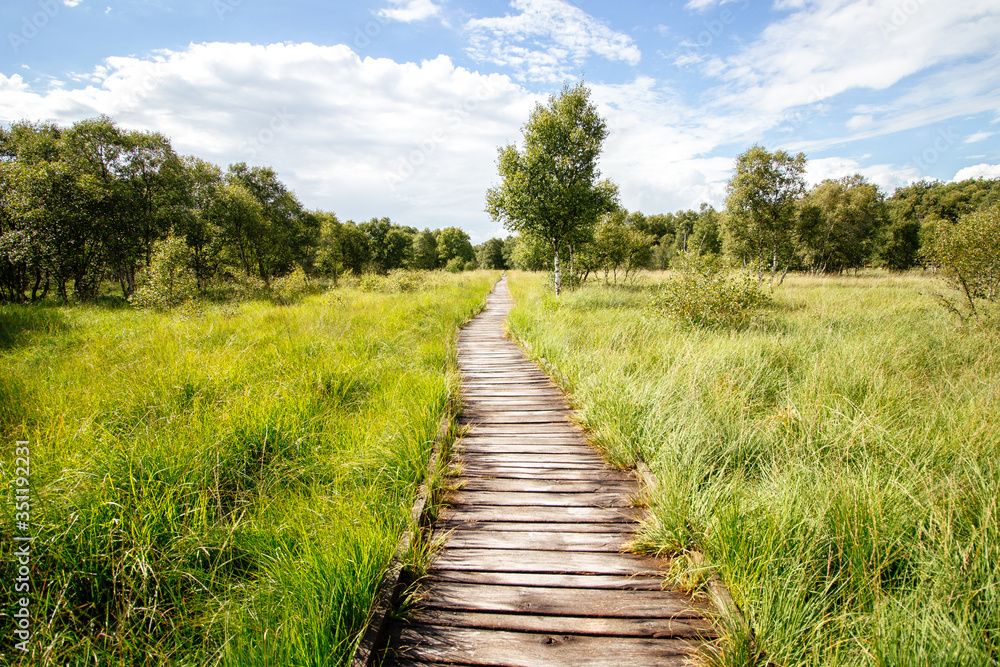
<point x="222" y="485"/>
<point x="838" y="462"/>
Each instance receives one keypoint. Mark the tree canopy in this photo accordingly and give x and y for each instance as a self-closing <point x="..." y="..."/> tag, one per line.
<point x="550" y="187"/>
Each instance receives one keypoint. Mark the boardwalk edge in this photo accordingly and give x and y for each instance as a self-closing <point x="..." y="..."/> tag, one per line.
<point x="717" y="589"/>
<point x="374" y="635"/>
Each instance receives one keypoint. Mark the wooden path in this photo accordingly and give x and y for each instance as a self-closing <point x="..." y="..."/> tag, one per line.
<point x="532" y="571"/>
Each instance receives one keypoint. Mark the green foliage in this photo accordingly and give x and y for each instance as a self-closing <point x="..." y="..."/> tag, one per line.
<point x="490" y="255"/>
<point x="169" y="281"/>
<point x="703" y="291"/>
<point x="455" y="265"/>
<point x="425" y="251"/>
<point x="968" y="254"/>
<point x="453" y="243"/>
<point x="550" y="188"/>
<point x="760" y="207"/>
<point x="839" y="224"/>
<point x="617" y="247"/>
<point x="397" y="280"/>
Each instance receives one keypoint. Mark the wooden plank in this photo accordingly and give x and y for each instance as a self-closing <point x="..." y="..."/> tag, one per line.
<point x="469" y="646"/>
<point x="515" y="472"/>
<point x="546" y="486"/>
<point x="539" y="499"/>
<point x="477" y="447"/>
<point x="541" y="514"/>
<point x="538" y="540"/>
<point x="591" y="581"/>
<point x="548" y="562"/>
<point x="625" y="530"/>
<point x="609" y="603"/>
<point x="540" y="418"/>
<point x="590" y="460"/>
<point x="657" y="628"/>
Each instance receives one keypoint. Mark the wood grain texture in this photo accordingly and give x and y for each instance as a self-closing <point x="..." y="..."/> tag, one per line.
<point x="534" y="569"/>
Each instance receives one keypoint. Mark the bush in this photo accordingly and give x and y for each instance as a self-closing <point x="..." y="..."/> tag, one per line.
<point x="705" y="292"/>
<point x="288" y="288"/>
<point x="398" y="280"/>
<point x="168" y="281"/>
<point x="968" y="255"/>
<point x="455" y="264"/>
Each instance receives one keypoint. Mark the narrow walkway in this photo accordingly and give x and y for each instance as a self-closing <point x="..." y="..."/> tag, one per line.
<point x="532" y="572"/>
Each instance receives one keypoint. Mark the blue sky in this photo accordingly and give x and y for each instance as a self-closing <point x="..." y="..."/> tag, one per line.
<point x="396" y="107"/>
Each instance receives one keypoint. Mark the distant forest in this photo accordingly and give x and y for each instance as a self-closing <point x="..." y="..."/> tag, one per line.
<point x="93" y="203"/>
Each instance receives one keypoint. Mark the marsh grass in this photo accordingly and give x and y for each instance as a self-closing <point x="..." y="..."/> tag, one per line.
<point x="838" y="462"/>
<point x="222" y="484"/>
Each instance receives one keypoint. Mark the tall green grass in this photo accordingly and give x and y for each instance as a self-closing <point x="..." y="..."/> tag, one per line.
<point x="223" y="484"/>
<point x="838" y="463"/>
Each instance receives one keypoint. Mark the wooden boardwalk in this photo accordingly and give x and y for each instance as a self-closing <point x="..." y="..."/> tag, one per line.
<point x="532" y="571"/>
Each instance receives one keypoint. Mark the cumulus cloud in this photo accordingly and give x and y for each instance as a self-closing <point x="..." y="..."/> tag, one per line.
<point x="546" y="40"/>
<point x="361" y="137"/>
<point x="410" y="10"/>
<point x="978" y="171"/>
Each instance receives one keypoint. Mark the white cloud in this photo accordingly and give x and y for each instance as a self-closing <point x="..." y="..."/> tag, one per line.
<point x="411" y="10"/>
<point x="700" y="5"/>
<point x="826" y="47"/>
<point x="859" y="121"/>
<point x="72" y="3"/>
<point x="978" y="171"/>
<point x="888" y="177"/>
<point x="978" y="136"/>
<point x="547" y="39"/>
<point x="362" y="137"/>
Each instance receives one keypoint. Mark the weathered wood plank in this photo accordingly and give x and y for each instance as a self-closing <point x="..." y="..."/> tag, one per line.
<point x="551" y="474"/>
<point x="469" y="646"/>
<point x="657" y="628"/>
<point x="591" y="581"/>
<point x="626" y="530"/>
<point x="541" y="514"/>
<point x="477" y="498"/>
<point x="547" y="486"/>
<point x="610" y="603"/>
<point x="549" y="562"/>
<point x="538" y="540"/>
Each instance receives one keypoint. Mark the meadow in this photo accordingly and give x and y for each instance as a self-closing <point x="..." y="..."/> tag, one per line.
<point x="837" y="461"/>
<point x="224" y="483"/>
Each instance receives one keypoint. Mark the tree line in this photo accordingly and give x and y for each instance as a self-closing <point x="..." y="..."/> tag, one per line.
<point x="87" y="204"/>
<point x="569" y="219"/>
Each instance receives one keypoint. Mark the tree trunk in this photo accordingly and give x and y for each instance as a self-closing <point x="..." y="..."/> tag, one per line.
<point x="555" y="269"/>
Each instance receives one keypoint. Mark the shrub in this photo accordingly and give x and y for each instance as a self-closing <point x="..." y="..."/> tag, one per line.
<point x="455" y="264"/>
<point x="704" y="292"/>
<point x="398" y="280"/>
<point x="169" y="280"/>
<point x="968" y="255"/>
<point x="290" y="287"/>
